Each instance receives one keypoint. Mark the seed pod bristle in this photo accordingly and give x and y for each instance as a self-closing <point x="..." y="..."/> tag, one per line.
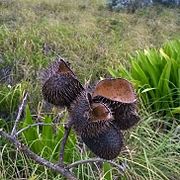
<point x="126" y="116"/>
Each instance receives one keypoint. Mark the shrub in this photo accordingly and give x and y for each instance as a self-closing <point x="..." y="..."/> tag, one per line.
<point x="156" y="74"/>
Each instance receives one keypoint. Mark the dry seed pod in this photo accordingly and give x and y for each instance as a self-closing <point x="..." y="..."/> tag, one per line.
<point x="126" y="116"/>
<point x="107" y="144"/>
<point x="100" y="112"/>
<point x="119" y="96"/>
<point x="92" y="123"/>
<point x="89" y="118"/>
<point x="59" y="84"/>
<point x="117" y="90"/>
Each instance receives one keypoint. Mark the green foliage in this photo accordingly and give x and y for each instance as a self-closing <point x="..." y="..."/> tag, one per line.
<point x="156" y="74"/>
<point x="155" y="152"/>
<point x="46" y="140"/>
<point x="9" y="98"/>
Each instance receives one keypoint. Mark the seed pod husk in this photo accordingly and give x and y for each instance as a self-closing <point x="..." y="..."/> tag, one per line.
<point x="107" y="144"/>
<point x="126" y="116"/>
<point x="92" y="123"/>
<point x="59" y="84"/>
<point x="119" y="96"/>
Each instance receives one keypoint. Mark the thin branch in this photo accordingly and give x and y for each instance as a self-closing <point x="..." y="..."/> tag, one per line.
<point x="24" y="149"/>
<point x="33" y="125"/>
<point x="19" y="114"/>
<point x="121" y="168"/>
<point x="63" y="143"/>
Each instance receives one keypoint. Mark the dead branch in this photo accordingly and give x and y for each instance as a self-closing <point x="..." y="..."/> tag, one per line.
<point x="24" y="149"/>
<point x="67" y="128"/>
<point x="19" y="114"/>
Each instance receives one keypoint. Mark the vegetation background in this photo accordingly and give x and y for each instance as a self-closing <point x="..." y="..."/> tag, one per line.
<point x="93" y="39"/>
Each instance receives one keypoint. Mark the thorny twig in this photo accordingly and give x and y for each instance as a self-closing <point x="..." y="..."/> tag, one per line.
<point x="19" y="114"/>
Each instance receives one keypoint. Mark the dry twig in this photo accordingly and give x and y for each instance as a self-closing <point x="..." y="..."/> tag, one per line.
<point x="13" y="133"/>
<point x="33" y="125"/>
<point x="65" y="172"/>
<point x="64" y="140"/>
<point x="95" y="160"/>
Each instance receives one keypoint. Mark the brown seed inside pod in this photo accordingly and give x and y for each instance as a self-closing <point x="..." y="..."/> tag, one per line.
<point x="119" y="90"/>
<point x="64" y="68"/>
<point x="100" y="112"/>
<point x="59" y="84"/>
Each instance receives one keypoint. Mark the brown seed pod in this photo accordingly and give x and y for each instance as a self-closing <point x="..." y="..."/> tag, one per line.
<point x="92" y="123"/>
<point x="89" y="118"/>
<point x="59" y="84"/>
<point x="119" y="96"/>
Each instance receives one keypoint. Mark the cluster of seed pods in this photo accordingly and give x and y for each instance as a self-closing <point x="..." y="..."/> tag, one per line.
<point x="98" y="116"/>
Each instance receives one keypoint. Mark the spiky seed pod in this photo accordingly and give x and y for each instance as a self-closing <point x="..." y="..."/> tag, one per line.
<point x="86" y="119"/>
<point x="119" y="96"/>
<point x="92" y="123"/>
<point x="59" y="84"/>
<point x="107" y="144"/>
<point x="126" y="116"/>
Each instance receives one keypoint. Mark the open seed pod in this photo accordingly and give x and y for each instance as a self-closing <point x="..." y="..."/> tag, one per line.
<point x="92" y="121"/>
<point x="89" y="118"/>
<point x="119" y="96"/>
<point x="59" y="84"/>
<point x="100" y="112"/>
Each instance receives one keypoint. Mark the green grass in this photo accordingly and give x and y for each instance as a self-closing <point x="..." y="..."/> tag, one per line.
<point x="92" y="39"/>
<point x="150" y="153"/>
<point x="155" y="74"/>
